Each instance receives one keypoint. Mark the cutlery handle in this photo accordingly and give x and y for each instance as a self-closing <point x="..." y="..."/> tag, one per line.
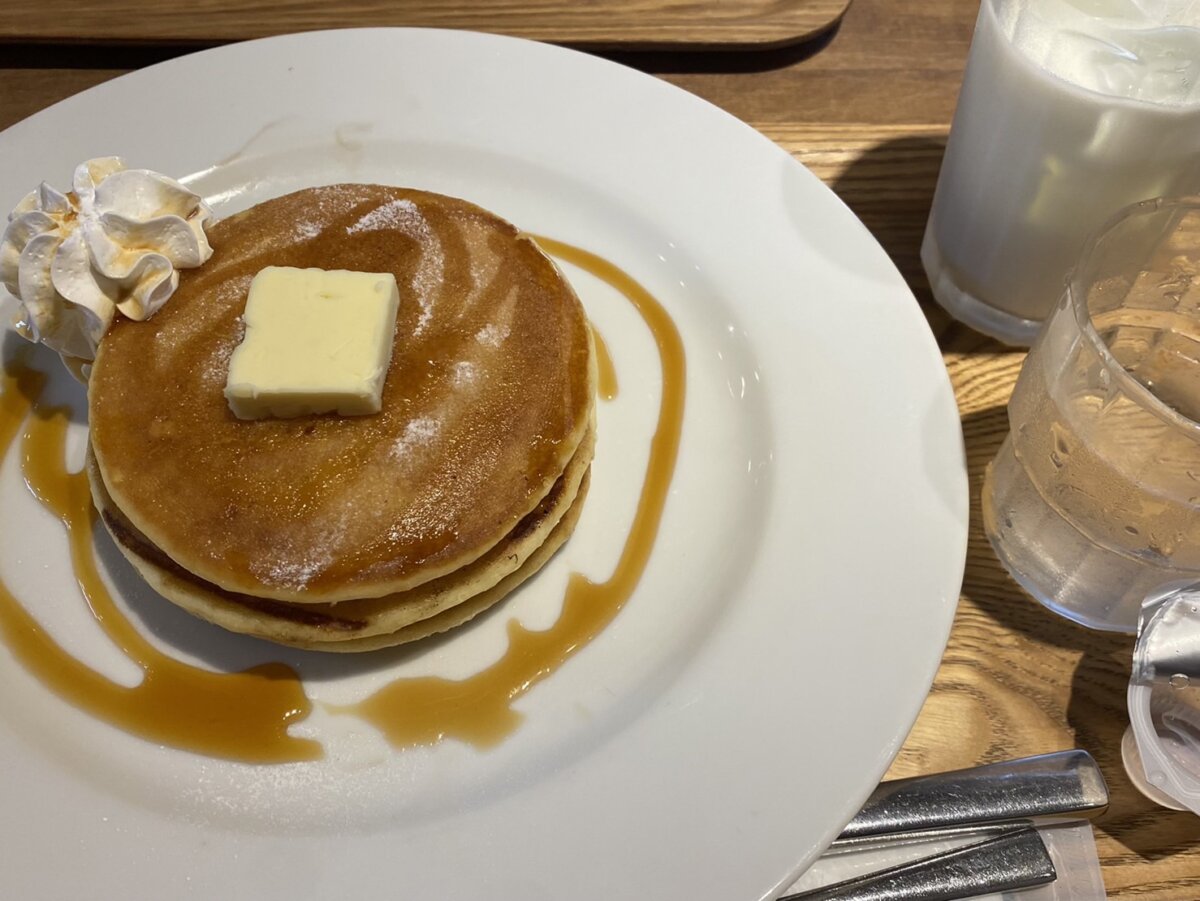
<point x="1067" y="783"/>
<point x="1013" y="860"/>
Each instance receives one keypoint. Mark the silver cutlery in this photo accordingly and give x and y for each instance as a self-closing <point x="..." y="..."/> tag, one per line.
<point x="995" y="808"/>
<point x="1013" y="860"/>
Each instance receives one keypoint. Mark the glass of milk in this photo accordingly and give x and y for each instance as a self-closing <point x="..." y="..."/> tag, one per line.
<point x="1069" y="111"/>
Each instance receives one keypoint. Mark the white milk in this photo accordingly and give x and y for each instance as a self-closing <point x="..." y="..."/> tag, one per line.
<point x="1070" y="109"/>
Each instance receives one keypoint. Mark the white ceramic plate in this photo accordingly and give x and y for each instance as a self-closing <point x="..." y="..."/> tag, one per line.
<point x="770" y="663"/>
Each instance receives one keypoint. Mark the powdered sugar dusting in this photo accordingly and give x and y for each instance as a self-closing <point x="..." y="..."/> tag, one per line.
<point x="292" y="574"/>
<point x="395" y="214"/>
<point x="426" y="282"/>
<point x="464" y="373"/>
<point x="175" y="341"/>
<point x="292" y="570"/>
<point x="418" y="433"/>
<point x="404" y="216"/>
<point x="216" y="368"/>
<point x="306" y="231"/>
<point x="492" y="334"/>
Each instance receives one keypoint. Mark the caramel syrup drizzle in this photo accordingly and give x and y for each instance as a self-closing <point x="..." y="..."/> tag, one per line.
<point x="245" y="715"/>
<point x="606" y="381"/>
<point x="479" y="709"/>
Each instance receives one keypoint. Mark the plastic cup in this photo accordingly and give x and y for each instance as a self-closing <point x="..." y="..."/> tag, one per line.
<point x="1093" y="502"/>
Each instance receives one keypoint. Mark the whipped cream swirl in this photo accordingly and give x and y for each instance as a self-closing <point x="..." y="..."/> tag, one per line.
<point x="114" y="242"/>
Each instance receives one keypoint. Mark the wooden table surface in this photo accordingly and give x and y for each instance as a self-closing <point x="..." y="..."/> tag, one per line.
<point x="867" y="108"/>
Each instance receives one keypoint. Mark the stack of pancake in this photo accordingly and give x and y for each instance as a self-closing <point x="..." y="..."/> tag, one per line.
<point x="353" y="533"/>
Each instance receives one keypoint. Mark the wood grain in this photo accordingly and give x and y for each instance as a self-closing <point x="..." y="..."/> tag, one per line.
<point x="868" y="110"/>
<point x="592" y="23"/>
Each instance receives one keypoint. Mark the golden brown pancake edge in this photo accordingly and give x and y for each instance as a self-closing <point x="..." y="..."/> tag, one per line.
<point x="357" y="624"/>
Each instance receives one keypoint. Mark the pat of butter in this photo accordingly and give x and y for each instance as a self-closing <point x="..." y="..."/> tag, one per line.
<point x="316" y="341"/>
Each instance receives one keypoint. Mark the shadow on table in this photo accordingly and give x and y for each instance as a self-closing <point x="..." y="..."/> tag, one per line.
<point x="986" y="582"/>
<point x="890" y="188"/>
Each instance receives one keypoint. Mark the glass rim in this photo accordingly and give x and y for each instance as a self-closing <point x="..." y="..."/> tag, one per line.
<point x="1108" y="98"/>
<point x="1077" y="298"/>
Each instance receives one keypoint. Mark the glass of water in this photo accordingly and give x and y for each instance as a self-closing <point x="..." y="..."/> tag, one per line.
<point x="1093" y="502"/>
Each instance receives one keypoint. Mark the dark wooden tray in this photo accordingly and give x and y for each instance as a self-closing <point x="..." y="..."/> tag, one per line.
<point x="609" y="24"/>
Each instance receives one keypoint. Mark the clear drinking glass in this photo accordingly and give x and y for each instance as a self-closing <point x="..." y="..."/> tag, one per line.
<point x="1093" y="502"/>
<point x="1069" y="110"/>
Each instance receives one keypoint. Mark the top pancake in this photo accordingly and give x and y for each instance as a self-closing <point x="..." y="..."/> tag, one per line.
<point x="487" y="397"/>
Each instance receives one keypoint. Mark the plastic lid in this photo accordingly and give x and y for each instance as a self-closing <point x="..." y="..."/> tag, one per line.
<point x="1164" y="700"/>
